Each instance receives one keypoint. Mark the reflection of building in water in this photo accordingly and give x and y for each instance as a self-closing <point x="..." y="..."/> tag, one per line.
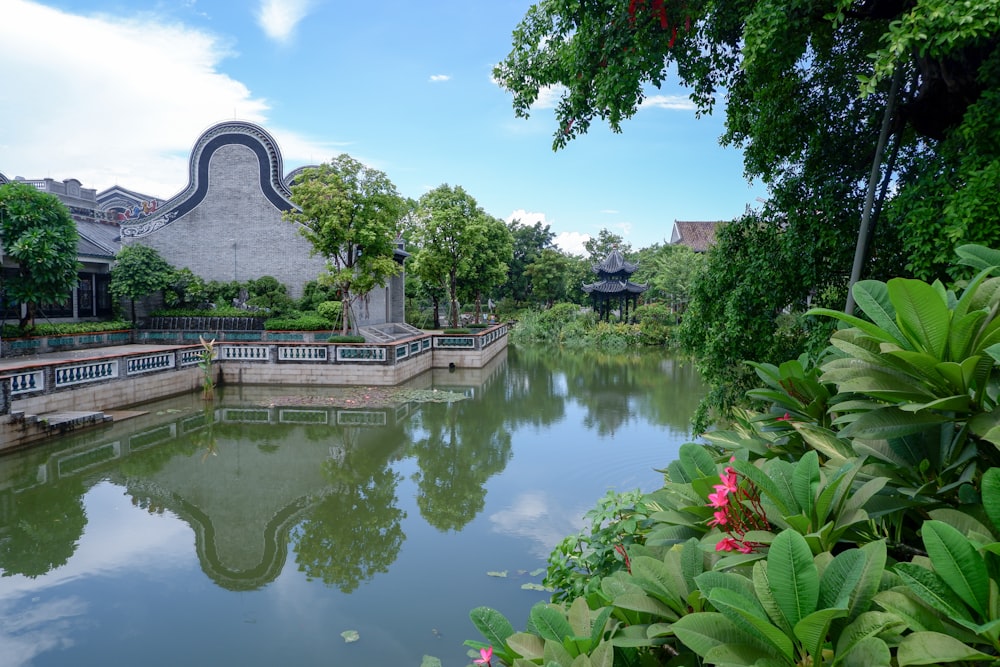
<point x="242" y="473"/>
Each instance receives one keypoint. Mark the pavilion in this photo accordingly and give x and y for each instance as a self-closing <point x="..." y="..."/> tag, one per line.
<point x="614" y="286"/>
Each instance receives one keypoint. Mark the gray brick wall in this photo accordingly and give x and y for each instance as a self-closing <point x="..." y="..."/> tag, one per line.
<point x="236" y="233"/>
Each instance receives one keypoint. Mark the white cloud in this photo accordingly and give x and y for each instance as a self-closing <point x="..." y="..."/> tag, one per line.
<point x="84" y="110"/>
<point x="438" y="78"/>
<point x="572" y="242"/>
<point x="526" y="218"/>
<point x="548" y="97"/>
<point x="673" y="102"/>
<point x="278" y="18"/>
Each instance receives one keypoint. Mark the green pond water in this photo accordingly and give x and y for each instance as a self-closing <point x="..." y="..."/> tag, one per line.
<point x="323" y="526"/>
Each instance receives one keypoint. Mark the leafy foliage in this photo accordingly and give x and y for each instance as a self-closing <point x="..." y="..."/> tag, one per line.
<point x="865" y="499"/>
<point x="139" y="271"/>
<point x="38" y="233"/>
<point x="350" y="213"/>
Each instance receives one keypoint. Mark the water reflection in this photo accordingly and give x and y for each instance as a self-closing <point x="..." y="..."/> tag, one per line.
<point x="243" y="473"/>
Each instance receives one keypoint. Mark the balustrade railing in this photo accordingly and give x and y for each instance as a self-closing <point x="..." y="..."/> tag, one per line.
<point x="95" y="371"/>
<point x="148" y="363"/>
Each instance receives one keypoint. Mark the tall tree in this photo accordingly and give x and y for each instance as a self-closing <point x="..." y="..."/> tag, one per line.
<point x="549" y="275"/>
<point x="447" y="236"/>
<point x="489" y="260"/>
<point x="529" y="242"/>
<point x="350" y="213"/>
<point x="139" y="271"/>
<point x="37" y="232"/>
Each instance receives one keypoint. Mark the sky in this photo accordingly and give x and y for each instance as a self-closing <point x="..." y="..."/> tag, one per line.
<point x="117" y="92"/>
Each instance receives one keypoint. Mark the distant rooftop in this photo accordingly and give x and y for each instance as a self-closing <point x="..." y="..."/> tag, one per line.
<point x="697" y="235"/>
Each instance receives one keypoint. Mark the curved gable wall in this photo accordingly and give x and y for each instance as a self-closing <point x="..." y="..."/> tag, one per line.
<point x="226" y="224"/>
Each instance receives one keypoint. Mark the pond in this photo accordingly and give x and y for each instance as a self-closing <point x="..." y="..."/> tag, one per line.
<point x="323" y="526"/>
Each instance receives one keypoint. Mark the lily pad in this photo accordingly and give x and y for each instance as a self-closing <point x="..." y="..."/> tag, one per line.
<point x="430" y="661"/>
<point x="501" y="573"/>
<point x="537" y="572"/>
<point x="350" y="636"/>
<point x="535" y="587"/>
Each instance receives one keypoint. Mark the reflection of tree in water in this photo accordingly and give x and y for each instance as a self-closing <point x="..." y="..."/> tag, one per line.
<point x="355" y="531"/>
<point x="531" y="391"/>
<point x="616" y="388"/>
<point x="40" y="528"/>
<point x="465" y="444"/>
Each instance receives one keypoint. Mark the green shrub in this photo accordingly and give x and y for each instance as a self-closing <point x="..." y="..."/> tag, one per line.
<point x="67" y="328"/>
<point x="331" y="310"/>
<point x="655" y="321"/>
<point x="341" y="338"/>
<point x="461" y="330"/>
<point x="302" y="322"/>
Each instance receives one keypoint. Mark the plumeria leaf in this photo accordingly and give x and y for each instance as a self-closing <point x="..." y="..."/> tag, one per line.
<point x="792" y="575"/>
<point x="550" y="622"/>
<point x="935" y="648"/>
<point x="929" y="587"/>
<point x="869" y="652"/>
<point x="958" y="563"/>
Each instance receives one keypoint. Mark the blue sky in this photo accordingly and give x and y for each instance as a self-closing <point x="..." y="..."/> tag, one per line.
<point x="117" y="92"/>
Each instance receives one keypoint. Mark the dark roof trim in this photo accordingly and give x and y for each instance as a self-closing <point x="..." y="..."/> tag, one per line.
<point x="255" y="138"/>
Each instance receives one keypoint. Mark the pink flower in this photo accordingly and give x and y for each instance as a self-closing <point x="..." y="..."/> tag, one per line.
<point x="719" y="498"/>
<point x="727" y="544"/>
<point x="745" y="548"/>
<point x="720" y="519"/>
<point x="486" y="654"/>
<point x="786" y="418"/>
<point x="728" y="477"/>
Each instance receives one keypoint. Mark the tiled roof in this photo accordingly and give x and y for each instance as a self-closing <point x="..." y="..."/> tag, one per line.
<point x="697" y="235"/>
<point x="614" y="263"/>
<point x="98" y="239"/>
<point x="615" y="287"/>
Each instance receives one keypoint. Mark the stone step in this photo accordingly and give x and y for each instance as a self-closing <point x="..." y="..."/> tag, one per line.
<point x="67" y="421"/>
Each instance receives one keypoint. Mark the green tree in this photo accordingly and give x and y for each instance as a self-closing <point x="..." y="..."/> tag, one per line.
<point x="600" y="246"/>
<point x="674" y="270"/>
<point x="350" y="212"/>
<point x="447" y="236"/>
<point x="548" y="276"/>
<point x="488" y="262"/>
<point x="37" y="232"/>
<point x="139" y="271"/>
<point x="428" y="279"/>
<point x="529" y="242"/>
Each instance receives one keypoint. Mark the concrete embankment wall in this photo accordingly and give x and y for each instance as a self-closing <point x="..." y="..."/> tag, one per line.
<point x="115" y="378"/>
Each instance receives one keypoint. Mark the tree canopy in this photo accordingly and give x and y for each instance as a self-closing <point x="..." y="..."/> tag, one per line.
<point x="448" y="236"/>
<point x="350" y="213"/>
<point x="37" y="232"/>
<point x="138" y="272"/>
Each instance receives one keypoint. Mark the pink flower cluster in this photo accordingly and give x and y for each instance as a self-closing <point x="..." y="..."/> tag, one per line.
<point x="737" y="511"/>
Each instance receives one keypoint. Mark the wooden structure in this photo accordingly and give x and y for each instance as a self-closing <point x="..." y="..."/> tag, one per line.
<point x="614" y="286"/>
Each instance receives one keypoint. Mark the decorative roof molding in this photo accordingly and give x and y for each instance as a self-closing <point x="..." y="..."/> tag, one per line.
<point x="254" y="137"/>
<point x="3" y="179"/>
<point x="615" y="263"/>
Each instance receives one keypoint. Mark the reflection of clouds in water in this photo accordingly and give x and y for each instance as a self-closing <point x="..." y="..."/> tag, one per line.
<point x="535" y="516"/>
<point x="118" y="537"/>
<point x="39" y="627"/>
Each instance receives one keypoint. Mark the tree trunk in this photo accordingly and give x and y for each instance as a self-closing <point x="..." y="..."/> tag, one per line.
<point x="453" y="296"/>
<point x="437" y="311"/>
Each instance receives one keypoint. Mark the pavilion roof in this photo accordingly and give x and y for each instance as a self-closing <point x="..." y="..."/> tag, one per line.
<point x="615" y="287"/>
<point x="615" y="263"/>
